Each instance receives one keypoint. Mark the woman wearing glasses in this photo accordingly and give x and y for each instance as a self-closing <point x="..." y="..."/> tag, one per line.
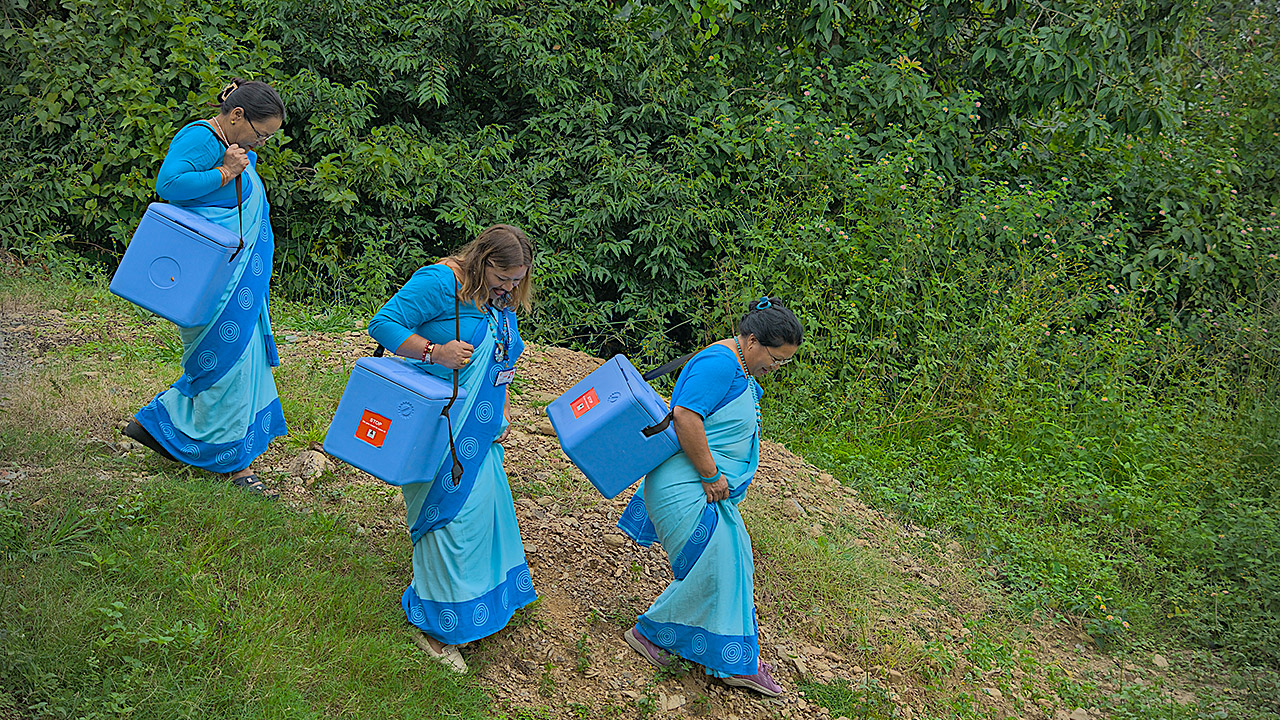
<point x="469" y="568"/>
<point x="223" y="411"/>
<point x="690" y="504"/>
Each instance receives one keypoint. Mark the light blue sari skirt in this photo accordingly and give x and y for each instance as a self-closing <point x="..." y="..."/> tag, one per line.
<point x="707" y="614"/>
<point x="223" y="411"/>
<point x="470" y="575"/>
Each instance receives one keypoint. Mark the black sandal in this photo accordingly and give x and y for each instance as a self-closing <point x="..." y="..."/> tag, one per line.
<point x="253" y="484"/>
<point x="135" y="431"/>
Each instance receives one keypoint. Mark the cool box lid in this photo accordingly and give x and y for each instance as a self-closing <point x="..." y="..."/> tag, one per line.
<point x="197" y="224"/>
<point x="410" y="377"/>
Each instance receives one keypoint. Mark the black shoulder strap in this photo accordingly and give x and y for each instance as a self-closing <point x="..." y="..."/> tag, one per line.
<point x="658" y="372"/>
<point x="239" y="193"/>
<point x="457" y="335"/>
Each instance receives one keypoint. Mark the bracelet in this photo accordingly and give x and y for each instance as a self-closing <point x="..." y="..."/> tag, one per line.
<point x="226" y="175"/>
<point x="713" y="478"/>
<point x="427" y="349"/>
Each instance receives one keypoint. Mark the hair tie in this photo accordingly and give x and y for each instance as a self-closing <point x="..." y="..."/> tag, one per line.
<point x="764" y="303"/>
<point x="226" y="91"/>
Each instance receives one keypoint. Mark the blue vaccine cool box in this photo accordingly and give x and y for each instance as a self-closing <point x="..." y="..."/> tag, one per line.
<point x="389" y="421"/>
<point x="177" y="265"/>
<point x="610" y="426"/>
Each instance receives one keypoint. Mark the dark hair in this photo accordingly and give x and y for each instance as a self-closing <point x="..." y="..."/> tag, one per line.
<point x="503" y="247"/>
<point x="259" y="100"/>
<point x="771" y="322"/>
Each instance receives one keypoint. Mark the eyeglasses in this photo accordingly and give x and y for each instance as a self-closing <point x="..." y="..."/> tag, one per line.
<point x="261" y="137"/>
<point x="777" y="361"/>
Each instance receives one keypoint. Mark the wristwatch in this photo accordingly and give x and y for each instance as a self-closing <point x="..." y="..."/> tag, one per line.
<point x="427" y="349"/>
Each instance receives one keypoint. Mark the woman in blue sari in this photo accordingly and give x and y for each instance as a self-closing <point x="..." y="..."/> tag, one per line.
<point x="690" y="504"/>
<point x="469" y="569"/>
<point x="223" y="411"/>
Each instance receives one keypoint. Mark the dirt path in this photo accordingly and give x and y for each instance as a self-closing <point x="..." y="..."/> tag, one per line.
<point x="566" y="658"/>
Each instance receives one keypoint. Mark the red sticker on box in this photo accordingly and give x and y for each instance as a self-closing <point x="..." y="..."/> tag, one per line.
<point x="585" y="403"/>
<point x="373" y="428"/>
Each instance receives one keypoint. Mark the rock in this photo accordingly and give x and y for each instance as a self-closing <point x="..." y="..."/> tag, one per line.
<point x="614" y="540"/>
<point x="1159" y="661"/>
<point x="309" y="465"/>
<point x="671" y="702"/>
<point x="91" y="374"/>
<point x="815" y="530"/>
<point x="116" y="358"/>
<point x="895" y="678"/>
<point x="800" y="665"/>
<point x="543" y="427"/>
<point x="993" y="692"/>
<point x="792" y="508"/>
<point x="1079" y="714"/>
<point x="545" y="501"/>
<point x="860" y="542"/>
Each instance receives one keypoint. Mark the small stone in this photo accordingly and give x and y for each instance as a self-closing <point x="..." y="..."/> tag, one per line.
<point x="309" y="465"/>
<point x="117" y="357"/>
<point x="815" y="530"/>
<point x="91" y="374"/>
<point x="1159" y="661"/>
<point x="543" y="427"/>
<point x="895" y="678"/>
<point x="671" y="702"/>
<point x="1079" y="714"/>
<point x="801" y="667"/>
<point x="545" y="501"/>
<point x="793" y="508"/>
<point x="860" y="542"/>
<point x="614" y="540"/>
<point x="993" y="692"/>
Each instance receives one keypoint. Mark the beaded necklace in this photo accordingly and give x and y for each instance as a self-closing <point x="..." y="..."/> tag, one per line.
<point x="502" y="333"/>
<point x="755" y="396"/>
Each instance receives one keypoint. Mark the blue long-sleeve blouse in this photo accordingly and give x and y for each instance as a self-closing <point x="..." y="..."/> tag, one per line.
<point x="189" y="175"/>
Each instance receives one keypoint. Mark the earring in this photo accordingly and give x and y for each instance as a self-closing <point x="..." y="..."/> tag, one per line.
<point x="233" y="122"/>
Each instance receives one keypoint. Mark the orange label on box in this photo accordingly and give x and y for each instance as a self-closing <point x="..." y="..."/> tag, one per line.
<point x="585" y="403"/>
<point x="373" y="428"/>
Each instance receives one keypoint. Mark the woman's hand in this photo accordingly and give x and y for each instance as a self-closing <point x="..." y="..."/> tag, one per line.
<point x="454" y="354"/>
<point x="505" y="432"/>
<point x="716" y="491"/>
<point x="235" y="160"/>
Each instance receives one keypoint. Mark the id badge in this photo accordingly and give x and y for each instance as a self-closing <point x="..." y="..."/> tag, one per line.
<point x="504" y="377"/>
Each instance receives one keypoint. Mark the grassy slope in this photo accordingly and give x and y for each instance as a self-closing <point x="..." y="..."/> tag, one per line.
<point x="165" y="594"/>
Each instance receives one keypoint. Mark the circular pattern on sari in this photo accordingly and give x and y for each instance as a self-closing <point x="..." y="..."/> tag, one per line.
<point x="484" y="411"/>
<point x="448" y="620"/>
<point x="229" y="332"/>
<point x="480" y="615"/>
<point x="208" y="360"/>
<point x="666" y="637"/>
<point x="699" y="644"/>
<point x="245" y="298"/>
<point x="732" y="653"/>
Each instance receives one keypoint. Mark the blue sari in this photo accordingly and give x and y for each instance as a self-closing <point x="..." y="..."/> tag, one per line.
<point x="707" y="614"/>
<point x="223" y="411"/>
<point x="469" y="569"/>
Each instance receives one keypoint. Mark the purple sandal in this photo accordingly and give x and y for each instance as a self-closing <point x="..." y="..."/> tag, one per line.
<point x="762" y="682"/>
<point x="656" y="656"/>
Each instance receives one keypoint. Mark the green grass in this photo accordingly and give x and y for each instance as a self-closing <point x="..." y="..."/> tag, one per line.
<point x="185" y="598"/>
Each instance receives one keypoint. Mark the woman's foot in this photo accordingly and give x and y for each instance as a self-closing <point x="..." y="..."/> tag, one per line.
<point x="135" y="431"/>
<point x="447" y="654"/>
<point x="250" y="481"/>
<point x="656" y="656"/>
<point x="762" y="682"/>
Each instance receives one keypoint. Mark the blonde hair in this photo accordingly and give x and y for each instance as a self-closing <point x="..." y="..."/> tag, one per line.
<point x="503" y="247"/>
